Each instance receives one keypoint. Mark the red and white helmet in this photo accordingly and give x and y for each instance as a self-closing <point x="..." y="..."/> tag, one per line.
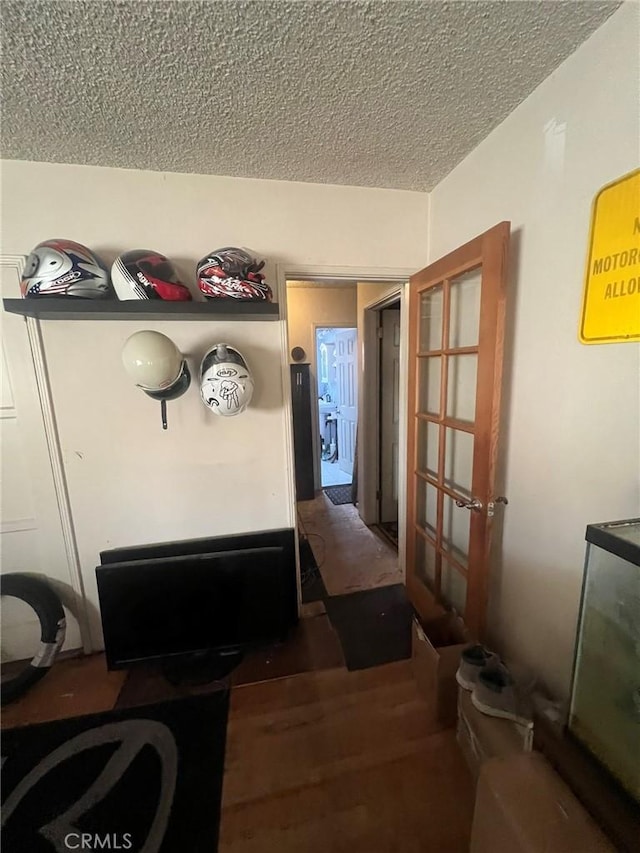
<point x="232" y="273"/>
<point x="64" y="268"/>
<point x="144" y="274"/>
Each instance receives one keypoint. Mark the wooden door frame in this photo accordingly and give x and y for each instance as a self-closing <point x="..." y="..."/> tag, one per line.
<point x="489" y="250"/>
<point x="380" y="419"/>
<point x="370" y="509"/>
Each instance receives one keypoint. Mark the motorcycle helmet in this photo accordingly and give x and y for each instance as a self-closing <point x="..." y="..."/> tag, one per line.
<point x="232" y="273"/>
<point x="226" y="386"/>
<point x="156" y="365"/>
<point x="64" y="268"/>
<point x="143" y="274"/>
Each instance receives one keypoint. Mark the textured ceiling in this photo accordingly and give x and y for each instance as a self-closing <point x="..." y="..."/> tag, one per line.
<point x="380" y="94"/>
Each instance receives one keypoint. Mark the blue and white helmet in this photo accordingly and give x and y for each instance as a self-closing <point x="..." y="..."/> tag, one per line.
<point x="226" y="385"/>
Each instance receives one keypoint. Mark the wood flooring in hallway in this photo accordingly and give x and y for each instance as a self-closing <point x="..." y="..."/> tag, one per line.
<point x="350" y="556"/>
<point x="342" y="762"/>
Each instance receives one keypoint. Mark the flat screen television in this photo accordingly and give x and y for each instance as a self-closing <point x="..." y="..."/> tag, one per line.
<point x="189" y="604"/>
<point x="283" y="537"/>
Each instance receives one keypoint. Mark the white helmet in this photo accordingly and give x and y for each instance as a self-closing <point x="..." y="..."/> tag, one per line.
<point x="156" y="365"/>
<point x="226" y="386"/>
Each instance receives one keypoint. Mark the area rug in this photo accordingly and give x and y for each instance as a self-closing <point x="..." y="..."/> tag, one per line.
<point x="339" y="495"/>
<point x="374" y="625"/>
<point x="146" y="778"/>
<point x="313" y="588"/>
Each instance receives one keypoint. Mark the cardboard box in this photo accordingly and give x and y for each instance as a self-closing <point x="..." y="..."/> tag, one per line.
<point x="481" y="736"/>
<point x="523" y="806"/>
<point x="436" y="649"/>
<point x="471" y="750"/>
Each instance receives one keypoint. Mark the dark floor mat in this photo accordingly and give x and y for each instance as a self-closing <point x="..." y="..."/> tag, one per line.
<point x="313" y="588"/>
<point x="165" y="757"/>
<point x="374" y="626"/>
<point x="339" y="495"/>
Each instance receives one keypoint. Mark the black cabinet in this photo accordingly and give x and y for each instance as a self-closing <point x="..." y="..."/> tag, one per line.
<point x="302" y="431"/>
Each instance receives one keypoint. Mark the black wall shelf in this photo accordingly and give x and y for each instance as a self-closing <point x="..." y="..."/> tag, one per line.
<point x="74" y="308"/>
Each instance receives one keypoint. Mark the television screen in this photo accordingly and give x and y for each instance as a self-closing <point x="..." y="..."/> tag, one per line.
<point x="156" y="608"/>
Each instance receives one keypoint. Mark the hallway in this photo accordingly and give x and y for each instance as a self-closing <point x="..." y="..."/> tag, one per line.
<point x="349" y="555"/>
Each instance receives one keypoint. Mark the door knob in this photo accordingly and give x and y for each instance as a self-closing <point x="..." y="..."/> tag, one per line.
<point x="474" y="504"/>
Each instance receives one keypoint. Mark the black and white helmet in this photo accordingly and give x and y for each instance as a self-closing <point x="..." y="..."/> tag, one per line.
<point x="226" y="385"/>
<point x="145" y="274"/>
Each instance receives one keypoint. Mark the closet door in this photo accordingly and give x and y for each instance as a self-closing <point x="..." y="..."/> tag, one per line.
<point x="35" y="525"/>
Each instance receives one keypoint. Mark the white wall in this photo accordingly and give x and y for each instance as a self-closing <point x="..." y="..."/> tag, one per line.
<point x="130" y="482"/>
<point x="572" y="436"/>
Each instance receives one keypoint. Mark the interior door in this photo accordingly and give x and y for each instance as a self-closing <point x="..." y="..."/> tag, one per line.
<point x="389" y="413"/>
<point x="456" y="331"/>
<point x="347" y="368"/>
<point x="31" y="534"/>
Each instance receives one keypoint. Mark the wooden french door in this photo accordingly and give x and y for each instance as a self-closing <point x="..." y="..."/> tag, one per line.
<point x="456" y="332"/>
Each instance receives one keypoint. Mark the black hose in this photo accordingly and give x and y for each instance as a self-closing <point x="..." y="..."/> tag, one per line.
<point x="37" y="593"/>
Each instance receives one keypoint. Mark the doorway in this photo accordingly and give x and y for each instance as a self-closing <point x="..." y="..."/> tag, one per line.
<point x="326" y="334"/>
<point x="351" y="580"/>
<point x="337" y="402"/>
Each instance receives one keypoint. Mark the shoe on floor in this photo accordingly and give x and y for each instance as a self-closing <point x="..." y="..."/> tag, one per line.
<point x="496" y="693"/>
<point x="472" y="661"/>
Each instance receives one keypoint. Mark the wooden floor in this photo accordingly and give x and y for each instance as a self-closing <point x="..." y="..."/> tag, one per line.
<point x="319" y="762"/>
<point x="334" y="761"/>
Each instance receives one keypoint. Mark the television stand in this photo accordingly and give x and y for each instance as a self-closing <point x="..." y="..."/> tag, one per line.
<point x="200" y="667"/>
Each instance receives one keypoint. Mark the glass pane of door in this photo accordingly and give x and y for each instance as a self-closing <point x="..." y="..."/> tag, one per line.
<point x="429" y="369"/>
<point x="464" y="313"/>
<point x="427" y="507"/>
<point x="453" y="587"/>
<point x="431" y="319"/>
<point x="456" y="523"/>
<point x="425" y="562"/>
<point x="458" y="461"/>
<point x="461" y="387"/>
<point x="427" y="450"/>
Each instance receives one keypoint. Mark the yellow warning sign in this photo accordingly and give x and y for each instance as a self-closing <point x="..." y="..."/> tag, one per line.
<point x="611" y="301"/>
